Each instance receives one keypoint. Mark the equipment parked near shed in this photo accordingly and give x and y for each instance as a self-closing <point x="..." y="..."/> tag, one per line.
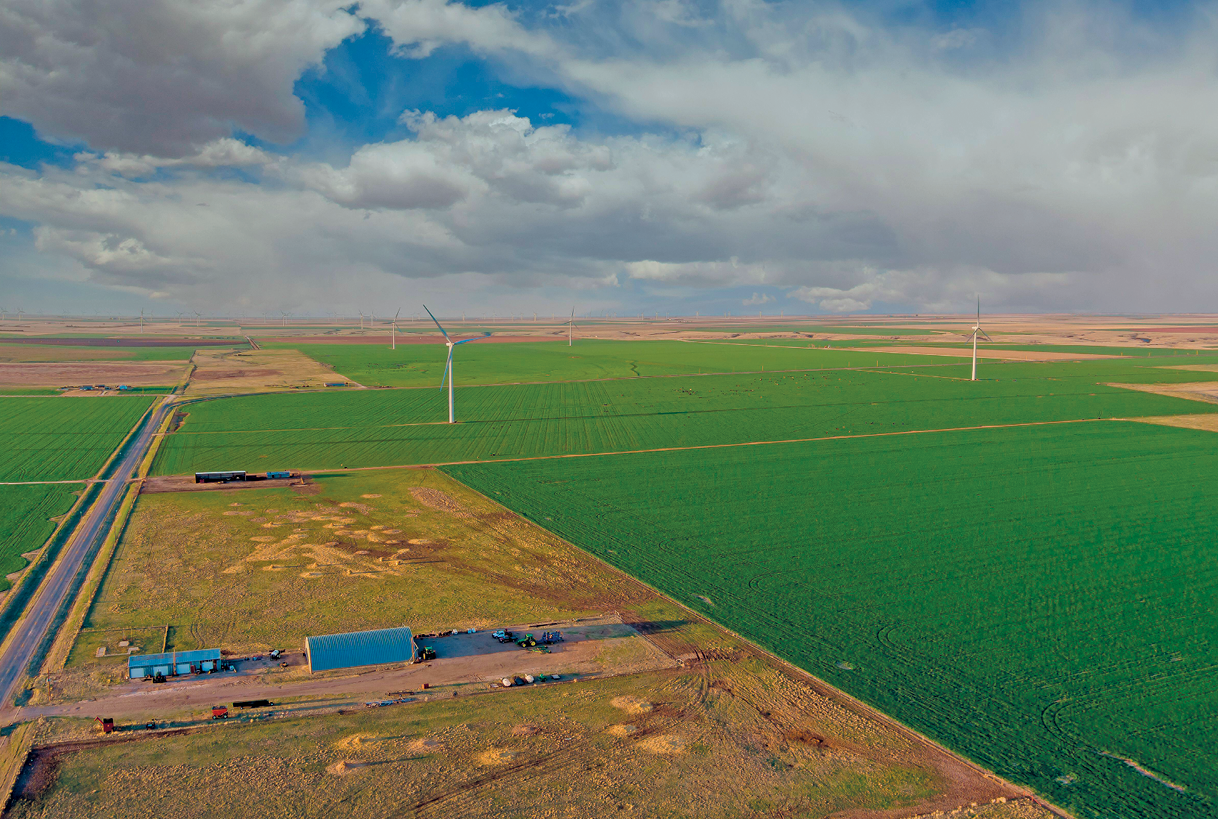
<point x="219" y="712"/>
<point x="219" y="477"/>
<point x="273" y="475"/>
<point x="527" y="642"/>
<point x="252" y="704"/>
<point x="426" y="653"/>
<point x="503" y="636"/>
<point x="107" y="724"/>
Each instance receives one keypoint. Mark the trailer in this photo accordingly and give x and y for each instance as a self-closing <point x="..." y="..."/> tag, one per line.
<point x="220" y="477"/>
<point x="270" y="476"/>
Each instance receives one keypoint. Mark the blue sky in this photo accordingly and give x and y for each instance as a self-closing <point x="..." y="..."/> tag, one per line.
<point x="655" y="155"/>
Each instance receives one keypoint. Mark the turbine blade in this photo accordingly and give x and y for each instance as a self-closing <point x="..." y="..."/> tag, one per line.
<point x="984" y="334"/>
<point x="475" y="338"/>
<point x="442" y="331"/>
<point x="398" y="313"/>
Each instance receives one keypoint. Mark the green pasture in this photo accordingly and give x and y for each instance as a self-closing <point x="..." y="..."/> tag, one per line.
<point x="25" y="521"/>
<point x="54" y="439"/>
<point x="1041" y="599"/>
<point x="388" y="427"/>
<point x="486" y="362"/>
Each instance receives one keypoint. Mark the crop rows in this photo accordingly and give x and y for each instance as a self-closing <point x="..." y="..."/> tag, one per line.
<point x="422" y="365"/>
<point x="52" y="439"/>
<point x="25" y="521"/>
<point x="387" y="427"/>
<point x="1041" y="599"/>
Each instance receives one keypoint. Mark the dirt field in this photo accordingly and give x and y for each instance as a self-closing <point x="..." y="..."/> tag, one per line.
<point x="131" y="373"/>
<point x="984" y="352"/>
<point x="727" y="732"/>
<point x="1203" y="422"/>
<point x="1197" y="391"/>
<point x="223" y="371"/>
<point x="729" y="735"/>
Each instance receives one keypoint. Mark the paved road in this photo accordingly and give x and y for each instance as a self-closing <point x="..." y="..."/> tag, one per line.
<point x="55" y="586"/>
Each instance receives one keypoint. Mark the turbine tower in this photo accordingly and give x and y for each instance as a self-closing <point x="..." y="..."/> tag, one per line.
<point x="448" y="368"/>
<point x="393" y="330"/>
<point x="977" y="331"/>
<point x="571" y="327"/>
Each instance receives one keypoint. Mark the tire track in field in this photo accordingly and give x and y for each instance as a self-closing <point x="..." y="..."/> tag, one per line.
<point x="741" y="444"/>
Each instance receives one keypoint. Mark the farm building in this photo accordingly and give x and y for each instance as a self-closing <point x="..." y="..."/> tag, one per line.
<point x="173" y="663"/>
<point x="359" y="648"/>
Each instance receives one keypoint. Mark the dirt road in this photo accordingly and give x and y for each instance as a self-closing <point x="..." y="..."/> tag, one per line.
<point x="601" y="648"/>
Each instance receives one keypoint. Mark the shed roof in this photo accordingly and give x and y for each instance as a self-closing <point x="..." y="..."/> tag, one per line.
<point x="386" y="645"/>
<point x="173" y="658"/>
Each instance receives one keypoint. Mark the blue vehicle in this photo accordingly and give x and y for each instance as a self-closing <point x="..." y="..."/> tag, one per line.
<point x="273" y="475"/>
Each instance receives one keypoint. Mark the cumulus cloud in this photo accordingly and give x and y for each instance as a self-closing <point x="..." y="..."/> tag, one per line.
<point x="162" y="76"/>
<point x="807" y="148"/>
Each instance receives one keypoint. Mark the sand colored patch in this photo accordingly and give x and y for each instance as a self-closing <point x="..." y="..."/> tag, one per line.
<point x="1199" y="391"/>
<point x="272" y="568"/>
<point x="425" y="745"/>
<point x="346" y="766"/>
<point x="665" y="744"/>
<point x="362" y="507"/>
<point x="623" y="730"/>
<point x="632" y="705"/>
<point x="233" y="569"/>
<point x="370" y="496"/>
<point x="133" y="374"/>
<point x="310" y="574"/>
<point x="221" y="370"/>
<point x="1209" y="423"/>
<point x="525" y="731"/>
<point x="1196" y="368"/>
<point x="497" y="756"/>
<point x="435" y="499"/>
<point x="982" y="352"/>
<point x="355" y="742"/>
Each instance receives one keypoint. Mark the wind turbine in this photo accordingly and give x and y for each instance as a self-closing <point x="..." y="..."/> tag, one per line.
<point x="571" y="328"/>
<point x="393" y="330"/>
<point x="141" y="320"/>
<point x="284" y="322"/>
<point x="361" y="319"/>
<point x="448" y="368"/>
<point x="977" y="331"/>
<point x="198" y="316"/>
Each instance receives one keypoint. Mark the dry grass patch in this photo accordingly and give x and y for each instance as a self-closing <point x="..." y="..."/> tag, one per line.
<point x="220" y="371"/>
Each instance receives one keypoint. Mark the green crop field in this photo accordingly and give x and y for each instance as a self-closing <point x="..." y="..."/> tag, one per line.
<point x="1039" y="598"/>
<point x="387" y="427"/>
<point x="58" y="439"/>
<point x="422" y="365"/>
<point x="25" y="521"/>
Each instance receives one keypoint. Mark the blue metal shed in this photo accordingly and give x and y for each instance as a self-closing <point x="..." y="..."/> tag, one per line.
<point x="359" y="648"/>
<point x="173" y="663"/>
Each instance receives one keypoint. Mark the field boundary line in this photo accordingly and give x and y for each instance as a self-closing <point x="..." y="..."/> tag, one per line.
<point x="48" y="483"/>
<point x="334" y="470"/>
<point x="818" y="685"/>
<point x="15" y="753"/>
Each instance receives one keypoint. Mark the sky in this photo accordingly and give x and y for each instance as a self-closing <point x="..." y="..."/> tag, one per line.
<point x="240" y="157"/>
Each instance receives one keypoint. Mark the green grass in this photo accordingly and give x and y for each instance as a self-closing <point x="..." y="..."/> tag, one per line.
<point x="381" y="428"/>
<point x="52" y="439"/>
<point x="422" y="365"/>
<point x="1037" y="598"/>
<point x="25" y="521"/>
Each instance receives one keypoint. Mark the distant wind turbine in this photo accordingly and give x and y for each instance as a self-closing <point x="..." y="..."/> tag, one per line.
<point x="571" y="328"/>
<point x="977" y="331"/>
<point x="448" y="368"/>
<point x="284" y="322"/>
<point x="393" y="330"/>
<point x="361" y="319"/>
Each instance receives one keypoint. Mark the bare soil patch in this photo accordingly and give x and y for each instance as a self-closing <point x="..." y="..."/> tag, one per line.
<point x="221" y="371"/>
<point x="983" y="352"/>
<point x="1197" y="391"/>
<point x="131" y="373"/>
<point x="435" y="499"/>
<point x="1208" y="423"/>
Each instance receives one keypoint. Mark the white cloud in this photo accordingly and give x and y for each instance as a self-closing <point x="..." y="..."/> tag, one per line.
<point x="853" y="166"/>
<point x="757" y="299"/>
<point x="163" y="76"/>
